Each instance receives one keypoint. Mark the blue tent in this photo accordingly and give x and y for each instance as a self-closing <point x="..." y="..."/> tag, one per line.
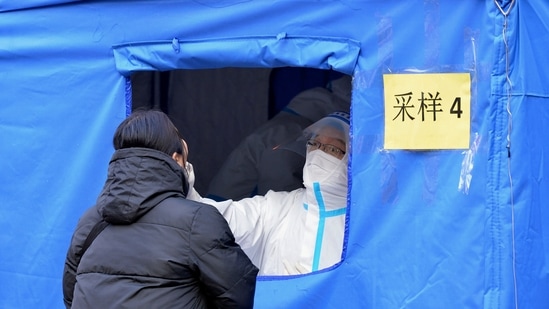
<point x="437" y="228"/>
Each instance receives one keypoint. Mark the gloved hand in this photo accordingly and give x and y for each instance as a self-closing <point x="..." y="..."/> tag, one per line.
<point x="295" y="269"/>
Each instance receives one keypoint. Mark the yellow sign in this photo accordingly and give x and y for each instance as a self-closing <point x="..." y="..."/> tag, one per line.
<point x="427" y="111"/>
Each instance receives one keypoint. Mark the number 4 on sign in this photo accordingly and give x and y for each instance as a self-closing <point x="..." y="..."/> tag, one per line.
<point x="456" y="107"/>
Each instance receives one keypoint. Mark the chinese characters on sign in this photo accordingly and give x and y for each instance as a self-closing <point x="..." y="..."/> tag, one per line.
<point x="427" y="111"/>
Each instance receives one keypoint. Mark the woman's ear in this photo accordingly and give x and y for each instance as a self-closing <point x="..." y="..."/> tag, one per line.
<point x="179" y="159"/>
<point x="185" y="152"/>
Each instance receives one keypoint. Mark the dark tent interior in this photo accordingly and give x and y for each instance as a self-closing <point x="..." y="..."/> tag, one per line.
<point x="231" y="103"/>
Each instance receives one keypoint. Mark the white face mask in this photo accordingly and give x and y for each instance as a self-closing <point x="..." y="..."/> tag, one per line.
<point x="319" y="166"/>
<point x="189" y="173"/>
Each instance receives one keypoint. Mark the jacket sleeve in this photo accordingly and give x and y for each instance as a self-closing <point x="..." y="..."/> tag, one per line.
<point x="69" y="277"/>
<point x="72" y="259"/>
<point x="226" y="274"/>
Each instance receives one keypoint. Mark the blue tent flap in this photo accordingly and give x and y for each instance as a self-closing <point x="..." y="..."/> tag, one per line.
<point x="339" y="54"/>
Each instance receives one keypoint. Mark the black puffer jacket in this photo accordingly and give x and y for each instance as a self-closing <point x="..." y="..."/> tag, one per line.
<point x="159" y="250"/>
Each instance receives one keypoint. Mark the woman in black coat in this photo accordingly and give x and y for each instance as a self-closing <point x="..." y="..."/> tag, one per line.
<point x="158" y="249"/>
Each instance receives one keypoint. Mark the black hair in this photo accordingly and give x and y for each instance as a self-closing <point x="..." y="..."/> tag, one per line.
<point x="148" y="129"/>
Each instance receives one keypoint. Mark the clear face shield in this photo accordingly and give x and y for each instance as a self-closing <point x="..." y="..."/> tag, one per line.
<point x="330" y="134"/>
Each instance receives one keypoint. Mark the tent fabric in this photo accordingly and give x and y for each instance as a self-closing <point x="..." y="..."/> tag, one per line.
<point x="416" y="237"/>
<point x="275" y="51"/>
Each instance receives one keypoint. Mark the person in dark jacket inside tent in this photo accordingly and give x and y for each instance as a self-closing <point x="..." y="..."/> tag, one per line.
<point x="150" y="247"/>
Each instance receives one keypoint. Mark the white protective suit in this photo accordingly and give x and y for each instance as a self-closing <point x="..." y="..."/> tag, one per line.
<point x="256" y="165"/>
<point x="286" y="233"/>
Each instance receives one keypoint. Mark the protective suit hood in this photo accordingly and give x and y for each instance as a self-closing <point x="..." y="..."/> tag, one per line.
<point x="325" y="176"/>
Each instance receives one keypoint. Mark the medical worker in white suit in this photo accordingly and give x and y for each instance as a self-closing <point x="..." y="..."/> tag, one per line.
<point x="300" y="231"/>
